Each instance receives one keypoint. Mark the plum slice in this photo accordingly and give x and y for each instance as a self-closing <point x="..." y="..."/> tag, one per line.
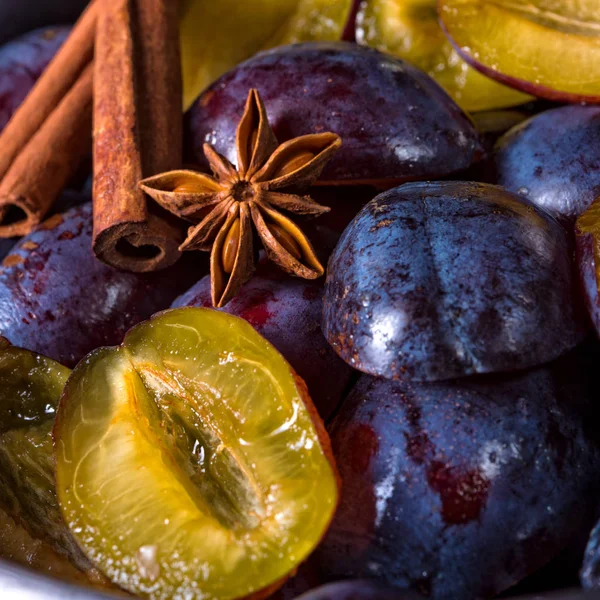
<point x="409" y="29"/>
<point x="190" y="460"/>
<point x="287" y="312"/>
<point x="216" y="36"/>
<point x="548" y="49"/>
<point x="438" y="280"/>
<point x="33" y="531"/>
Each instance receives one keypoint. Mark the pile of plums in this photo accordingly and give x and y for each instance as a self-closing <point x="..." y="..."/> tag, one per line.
<point x="451" y="349"/>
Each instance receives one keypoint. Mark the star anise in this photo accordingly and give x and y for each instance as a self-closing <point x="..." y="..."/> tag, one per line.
<point x="226" y="205"/>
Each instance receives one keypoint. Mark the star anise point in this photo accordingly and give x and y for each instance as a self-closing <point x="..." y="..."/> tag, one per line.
<point x="226" y="205"/>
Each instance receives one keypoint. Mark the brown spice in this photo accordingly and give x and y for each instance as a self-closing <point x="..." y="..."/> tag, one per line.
<point x="256" y="194"/>
<point x="137" y="130"/>
<point x="44" y="142"/>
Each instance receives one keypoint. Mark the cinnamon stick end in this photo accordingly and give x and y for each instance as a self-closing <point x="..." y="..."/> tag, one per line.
<point x="18" y="216"/>
<point x="138" y="247"/>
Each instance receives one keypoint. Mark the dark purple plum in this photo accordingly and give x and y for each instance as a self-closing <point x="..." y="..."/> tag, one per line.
<point x="438" y="280"/>
<point x="460" y="489"/>
<point x="57" y="299"/>
<point x="395" y="122"/>
<point x="17" y="18"/>
<point x="22" y="61"/>
<point x="287" y="312"/>
<point x="590" y="570"/>
<point x="358" y="589"/>
<point x="553" y="159"/>
<point x="586" y="268"/>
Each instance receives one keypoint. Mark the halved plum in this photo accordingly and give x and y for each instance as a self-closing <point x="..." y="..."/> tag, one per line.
<point x="58" y="299"/>
<point x="190" y="460"/>
<point x="445" y="279"/>
<point x="546" y="48"/>
<point x="30" y="387"/>
<point x="287" y="312"/>
<point x="216" y="36"/>
<point x="395" y="122"/>
<point x="553" y="160"/>
<point x="462" y="488"/>
<point x="409" y="29"/>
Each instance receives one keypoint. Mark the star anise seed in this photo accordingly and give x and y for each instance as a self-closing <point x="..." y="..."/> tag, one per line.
<point x="225" y="205"/>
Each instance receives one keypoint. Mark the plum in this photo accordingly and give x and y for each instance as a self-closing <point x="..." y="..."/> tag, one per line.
<point x="590" y="570"/>
<point x="586" y="269"/>
<point x="358" y="590"/>
<point x="57" y="299"/>
<point x="190" y="461"/>
<point x="461" y="488"/>
<point x="395" y="122"/>
<point x="208" y="28"/>
<point x="409" y="29"/>
<point x="287" y="312"/>
<point x="17" y="18"/>
<point x="548" y="49"/>
<point x="553" y="160"/>
<point x="438" y="280"/>
<point x="22" y="62"/>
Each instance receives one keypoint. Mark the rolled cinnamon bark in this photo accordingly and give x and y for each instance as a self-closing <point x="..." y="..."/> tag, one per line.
<point x="43" y="143"/>
<point x="137" y="130"/>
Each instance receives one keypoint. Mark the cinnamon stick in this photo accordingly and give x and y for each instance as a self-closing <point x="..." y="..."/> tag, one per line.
<point x="44" y="142"/>
<point x="137" y="130"/>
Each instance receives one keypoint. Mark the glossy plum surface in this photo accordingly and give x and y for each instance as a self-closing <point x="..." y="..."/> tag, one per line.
<point x="396" y="123"/>
<point x="358" y="590"/>
<point x="439" y="280"/>
<point x="590" y="570"/>
<point x="22" y="62"/>
<point x="553" y="159"/>
<point x="57" y="299"/>
<point x="287" y="312"/>
<point x="460" y="489"/>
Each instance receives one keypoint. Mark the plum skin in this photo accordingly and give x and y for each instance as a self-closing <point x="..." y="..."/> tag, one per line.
<point x="415" y="290"/>
<point x="357" y="92"/>
<point x="287" y="312"/>
<point x="22" y="61"/>
<point x="57" y="299"/>
<point x="553" y="160"/>
<point x="459" y="489"/>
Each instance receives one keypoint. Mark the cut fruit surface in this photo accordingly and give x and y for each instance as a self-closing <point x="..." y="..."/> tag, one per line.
<point x="190" y="461"/>
<point x="549" y="48"/>
<point x="409" y="29"/>
<point x="32" y="529"/>
<point x="215" y="36"/>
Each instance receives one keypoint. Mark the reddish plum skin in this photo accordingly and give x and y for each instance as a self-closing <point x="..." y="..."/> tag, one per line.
<point x="395" y="122"/>
<point x="287" y="312"/>
<point x="416" y="290"/>
<point x="459" y="489"/>
<point x="57" y="299"/>
<point x="22" y="61"/>
<point x="553" y="160"/>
